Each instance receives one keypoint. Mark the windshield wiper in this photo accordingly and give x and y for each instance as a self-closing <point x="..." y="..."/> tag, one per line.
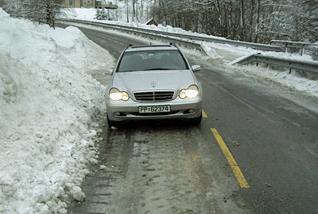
<point x="128" y="71"/>
<point x="151" y="69"/>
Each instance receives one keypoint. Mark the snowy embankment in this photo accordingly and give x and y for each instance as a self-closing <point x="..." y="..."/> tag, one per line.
<point x="293" y="81"/>
<point x="47" y="106"/>
<point x="228" y="54"/>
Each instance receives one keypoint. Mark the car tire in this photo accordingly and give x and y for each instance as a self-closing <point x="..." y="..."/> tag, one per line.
<point x="197" y="121"/>
<point x="111" y="123"/>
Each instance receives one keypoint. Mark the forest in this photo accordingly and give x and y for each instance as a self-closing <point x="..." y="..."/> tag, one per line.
<point x="246" y="20"/>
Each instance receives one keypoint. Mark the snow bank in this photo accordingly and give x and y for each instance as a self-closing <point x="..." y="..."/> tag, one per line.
<point x="47" y="105"/>
<point x="292" y="81"/>
<point x="231" y="54"/>
<point x="3" y="13"/>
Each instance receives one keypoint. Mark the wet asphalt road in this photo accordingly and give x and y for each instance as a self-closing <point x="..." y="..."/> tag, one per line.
<point x="165" y="167"/>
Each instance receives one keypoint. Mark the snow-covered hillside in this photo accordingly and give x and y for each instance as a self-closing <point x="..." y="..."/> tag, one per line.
<point x="142" y="14"/>
<point x="48" y="101"/>
<point x="79" y="13"/>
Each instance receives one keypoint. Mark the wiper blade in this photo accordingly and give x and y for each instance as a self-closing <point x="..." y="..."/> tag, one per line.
<point x="128" y="71"/>
<point x="151" y="69"/>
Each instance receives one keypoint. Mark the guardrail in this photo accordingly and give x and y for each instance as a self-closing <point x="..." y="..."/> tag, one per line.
<point x="168" y="39"/>
<point x="257" y="46"/>
<point x="308" y="69"/>
<point x="293" y="44"/>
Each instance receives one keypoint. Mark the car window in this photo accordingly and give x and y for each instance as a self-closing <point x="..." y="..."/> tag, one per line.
<point x="152" y="60"/>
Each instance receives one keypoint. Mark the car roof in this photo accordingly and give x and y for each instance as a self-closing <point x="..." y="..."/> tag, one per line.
<point x="151" y="48"/>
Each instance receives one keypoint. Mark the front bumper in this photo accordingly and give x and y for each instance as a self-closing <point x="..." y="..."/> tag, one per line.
<point x="179" y="108"/>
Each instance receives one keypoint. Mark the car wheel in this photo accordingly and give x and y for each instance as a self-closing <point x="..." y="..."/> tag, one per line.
<point x="197" y="120"/>
<point x="111" y="123"/>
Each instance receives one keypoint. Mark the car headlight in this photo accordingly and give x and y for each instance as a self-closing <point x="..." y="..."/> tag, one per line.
<point x="191" y="92"/>
<point x="116" y="95"/>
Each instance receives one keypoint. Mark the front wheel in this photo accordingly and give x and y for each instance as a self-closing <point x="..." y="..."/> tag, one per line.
<point x="112" y="123"/>
<point x="197" y="120"/>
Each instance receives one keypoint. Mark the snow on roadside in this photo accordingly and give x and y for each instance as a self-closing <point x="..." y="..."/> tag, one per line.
<point x="230" y="53"/>
<point x="48" y="101"/>
<point x="292" y="81"/>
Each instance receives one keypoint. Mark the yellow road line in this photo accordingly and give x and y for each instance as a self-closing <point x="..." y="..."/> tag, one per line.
<point x="204" y="114"/>
<point x="230" y="159"/>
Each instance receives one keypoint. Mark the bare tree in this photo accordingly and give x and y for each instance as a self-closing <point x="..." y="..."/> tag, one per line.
<point x="1" y="3"/>
<point x="134" y="10"/>
<point x="248" y="20"/>
<point x="127" y="10"/>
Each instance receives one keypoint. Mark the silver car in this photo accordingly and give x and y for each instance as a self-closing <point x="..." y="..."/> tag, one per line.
<point x="153" y="82"/>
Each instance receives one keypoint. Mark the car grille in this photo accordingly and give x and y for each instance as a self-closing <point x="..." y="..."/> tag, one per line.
<point x="154" y="96"/>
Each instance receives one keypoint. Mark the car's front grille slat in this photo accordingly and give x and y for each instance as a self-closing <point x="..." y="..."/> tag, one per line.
<point x="154" y="96"/>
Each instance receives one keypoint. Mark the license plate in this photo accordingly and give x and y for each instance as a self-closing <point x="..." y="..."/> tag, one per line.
<point x="153" y="109"/>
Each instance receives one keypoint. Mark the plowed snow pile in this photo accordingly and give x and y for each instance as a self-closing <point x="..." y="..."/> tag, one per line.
<point x="47" y="105"/>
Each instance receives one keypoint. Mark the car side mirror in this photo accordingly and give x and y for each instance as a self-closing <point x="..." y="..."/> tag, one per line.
<point x="196" y="68"/>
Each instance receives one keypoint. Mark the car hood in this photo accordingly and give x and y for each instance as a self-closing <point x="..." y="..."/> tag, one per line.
<point x="153" y="80"/>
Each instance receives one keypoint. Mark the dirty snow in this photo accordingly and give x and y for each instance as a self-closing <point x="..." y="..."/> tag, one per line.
<point x="48" y="101"/>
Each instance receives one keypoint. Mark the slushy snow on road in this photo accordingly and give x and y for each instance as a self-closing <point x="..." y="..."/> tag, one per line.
<point x="48" y="100"/>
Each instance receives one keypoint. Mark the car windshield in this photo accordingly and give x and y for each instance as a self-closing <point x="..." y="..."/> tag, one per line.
<point x="152" y="60"/>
